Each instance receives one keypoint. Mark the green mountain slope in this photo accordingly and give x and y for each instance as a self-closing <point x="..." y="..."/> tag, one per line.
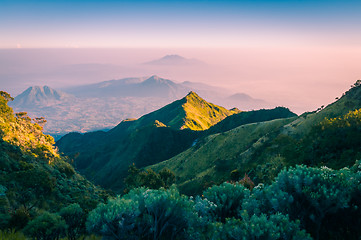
<point x="243" y="118"/>
<point x="212" y="158"/>
<point x="105" y="157"/>
<point x="330" y="137"/>
<point x="33" y="176"/>
<point x="191" y="112"/>
<point x="155" y="137"/>
<point x="349" y="101"/>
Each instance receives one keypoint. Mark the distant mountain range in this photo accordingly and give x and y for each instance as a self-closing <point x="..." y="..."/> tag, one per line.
<point x="103" y="105"/>
<point x="153" y="86"/>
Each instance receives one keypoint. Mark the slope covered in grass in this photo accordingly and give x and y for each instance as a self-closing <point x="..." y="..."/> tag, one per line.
<point x="212" y="158"/>
<point x="191" y="112"/>
<point x="327" y="137"/>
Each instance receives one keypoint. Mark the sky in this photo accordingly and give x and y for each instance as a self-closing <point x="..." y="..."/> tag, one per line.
<point x="298" y="53"/>
<point x="148" y="24"/>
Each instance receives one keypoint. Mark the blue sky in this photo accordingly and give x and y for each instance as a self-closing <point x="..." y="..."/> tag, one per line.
<point x="38" y="24"/>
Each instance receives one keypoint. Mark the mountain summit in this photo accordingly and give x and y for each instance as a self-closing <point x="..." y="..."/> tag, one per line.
<point x="174" y="60"/>
<point x="192" y="112"/>
<point x="40" y="95"/>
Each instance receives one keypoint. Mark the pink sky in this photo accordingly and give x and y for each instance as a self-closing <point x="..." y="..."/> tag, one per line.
<point x="301" y="78"/>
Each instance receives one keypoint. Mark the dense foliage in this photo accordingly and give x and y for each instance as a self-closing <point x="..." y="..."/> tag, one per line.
<point x="148" y="179"/>
<point x="144" y="214"/>
<point x="322" y="202"/>
<point x="36" y="182"/>
<point x="333" y="142"/>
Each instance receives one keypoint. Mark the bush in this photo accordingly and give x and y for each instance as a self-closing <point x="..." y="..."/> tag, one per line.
<point x="227" y="198"/>
<point x="19" y="219"/>
<point x="309" y="194"/>
<point x="47" y="226"/>
<point x="271" y="227"/>
<point x="148" y="179"/>
<point x="74" y="217"/>
<point x="144" y="214"/>
<point x="4" y="221"/>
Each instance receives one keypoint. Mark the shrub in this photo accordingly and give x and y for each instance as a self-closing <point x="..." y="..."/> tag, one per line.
<point x="271" y="227"/>
<point x="228" y="199"/>
<point x="74" y="217"/>
<point x="4" y="221"/>
<point x="19" y="219"/>
<point x="143" y="214"/>
<point x="47" y="226"/>
<point x="309" y="194"/>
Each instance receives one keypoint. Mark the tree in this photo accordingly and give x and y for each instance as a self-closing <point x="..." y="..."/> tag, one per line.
<point x="167" y="177"/>
<point x="19" y="218"/>
<point x="41" y="121"/>
<point x="227" y="198"/>
<point x="47" y="226"/>
<point x="74" y="217"/>
<point x="23" y="116"/>
<point x="6" y="96"/>
<point x="310" y="194"/>
<point x="148" y="178"/>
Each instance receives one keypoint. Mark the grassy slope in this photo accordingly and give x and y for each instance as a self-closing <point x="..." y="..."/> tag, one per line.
<point x="350" y="101"/>
<point x="214" y="157"/>
<point x="191" y="112"/>
<point x="243" y="118"/>
<point x="260" y="149"/>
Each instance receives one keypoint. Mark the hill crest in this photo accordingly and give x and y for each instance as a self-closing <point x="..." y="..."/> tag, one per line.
<point x="191" y="112"/>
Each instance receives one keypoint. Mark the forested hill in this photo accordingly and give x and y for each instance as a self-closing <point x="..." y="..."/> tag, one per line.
<point x="33" y="176"/>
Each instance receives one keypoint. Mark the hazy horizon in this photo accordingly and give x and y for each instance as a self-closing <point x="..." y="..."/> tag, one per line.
<point x="297" y="54"/>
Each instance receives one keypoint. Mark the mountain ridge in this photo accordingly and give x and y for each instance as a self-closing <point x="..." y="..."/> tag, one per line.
<point x="263" y="149"/>
<point x="191" y="112"/>
<point x="103" y="105"/>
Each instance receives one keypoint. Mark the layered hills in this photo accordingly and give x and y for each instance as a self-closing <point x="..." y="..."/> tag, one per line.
<point x="105" y="156"/>
<point x="152" y="138"/>
<point x="153" y="86"/>
<point x="103" y="105"/>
